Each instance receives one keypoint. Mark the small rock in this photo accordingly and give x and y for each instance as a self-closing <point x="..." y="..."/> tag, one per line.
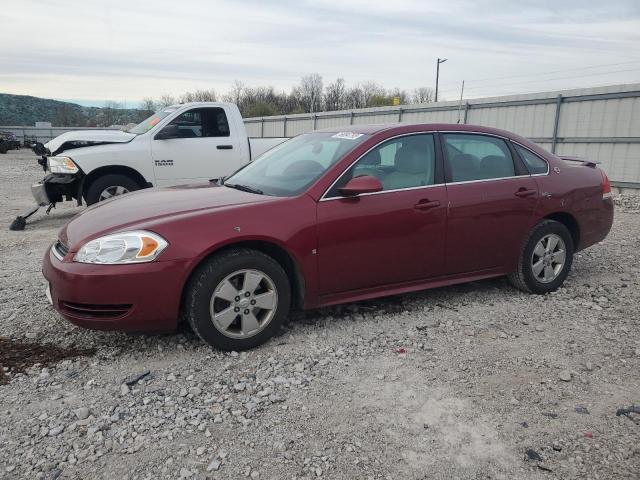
<point x="565" y="375"/>
<point x="124" y="389"/>
<point x="214" y="465"/>
<point x="82" y="413"/>
<point x="56" y="431"/>
<point x="533" y="455"/>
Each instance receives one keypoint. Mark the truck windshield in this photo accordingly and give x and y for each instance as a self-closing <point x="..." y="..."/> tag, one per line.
<point x="292" y="166"/>
<point x="152" y="121"/>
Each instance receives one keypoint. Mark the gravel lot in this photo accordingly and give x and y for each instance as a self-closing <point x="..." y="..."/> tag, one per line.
<point x="451" y="383"/>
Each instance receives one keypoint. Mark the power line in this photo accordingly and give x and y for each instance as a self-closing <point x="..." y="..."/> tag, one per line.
<point x="538" y="74"/>
<point x="500" y="85"/>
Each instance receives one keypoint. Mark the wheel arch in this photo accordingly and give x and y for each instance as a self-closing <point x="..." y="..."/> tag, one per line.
<point x="571" y="223"/>
<point x="271" y="248"/>
<point x="114" y="169"/>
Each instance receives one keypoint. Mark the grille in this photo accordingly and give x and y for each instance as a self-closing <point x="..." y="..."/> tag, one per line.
<point x="60" y="249"/>
<point x="87" y="310"/>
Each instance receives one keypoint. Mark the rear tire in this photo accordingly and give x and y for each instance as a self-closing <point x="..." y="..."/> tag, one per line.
<point x="4" y="147"/>
<point x="108" y="186"/>
<point x="545" y="259"/>
<point x="237" y="299"/>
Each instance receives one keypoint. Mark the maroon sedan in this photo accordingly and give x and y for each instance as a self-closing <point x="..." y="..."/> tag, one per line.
<point x="329" y="217"/>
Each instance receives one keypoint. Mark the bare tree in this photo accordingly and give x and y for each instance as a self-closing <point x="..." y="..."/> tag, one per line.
<point x="148" y="105"/>
<point x="354" y="98"/>
<point x="370" y="90"/>
<point x="199" y="96"/>
<point x="166" y="100"/>
<point x="402" y="95"/>
<point x="335" y="95"/>
<point x="110" y="113"/>
<point x="422" y="95"/>
<point x="310" y="91"/>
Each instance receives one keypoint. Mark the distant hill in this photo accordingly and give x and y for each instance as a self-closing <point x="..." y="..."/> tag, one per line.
<point x="26" y="110"/>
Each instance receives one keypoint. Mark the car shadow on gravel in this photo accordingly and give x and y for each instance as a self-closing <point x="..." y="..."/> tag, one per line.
<point x="451" y="297"/>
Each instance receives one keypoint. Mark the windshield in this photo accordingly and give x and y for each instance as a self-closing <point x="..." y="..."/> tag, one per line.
<point x="152" y="121"/>
<point x="292" y="166"/>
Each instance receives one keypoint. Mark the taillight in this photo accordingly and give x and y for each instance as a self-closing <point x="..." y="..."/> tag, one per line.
<point x="606" y="186"/>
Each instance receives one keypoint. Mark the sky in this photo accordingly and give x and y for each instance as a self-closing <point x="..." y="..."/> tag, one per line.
<point x="96" y="51"/>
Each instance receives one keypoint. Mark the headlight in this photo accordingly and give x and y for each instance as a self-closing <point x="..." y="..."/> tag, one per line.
<point x="120" y="248"/>
<point x="62" y="165"/>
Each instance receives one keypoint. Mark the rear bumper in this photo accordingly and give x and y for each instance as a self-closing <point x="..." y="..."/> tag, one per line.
<point x="132" y="298"/>
<point x="596" y="225"/>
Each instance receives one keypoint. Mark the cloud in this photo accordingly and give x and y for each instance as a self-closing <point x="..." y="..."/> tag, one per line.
<point x="118" y="49"/>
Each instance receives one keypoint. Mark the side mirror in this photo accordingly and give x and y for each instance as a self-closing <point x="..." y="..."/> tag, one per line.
<point x="170" y="131"/>
<point x="359" y="185"/>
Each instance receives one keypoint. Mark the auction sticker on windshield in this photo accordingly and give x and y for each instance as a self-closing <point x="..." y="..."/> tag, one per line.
<point x="347" y="135"/>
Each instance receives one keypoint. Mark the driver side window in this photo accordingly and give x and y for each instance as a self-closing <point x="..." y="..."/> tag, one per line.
<point x="399" y="163"/>
<point x="202" y="122"/>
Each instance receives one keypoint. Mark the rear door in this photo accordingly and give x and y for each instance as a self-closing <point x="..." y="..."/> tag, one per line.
<point x="491" y="197"/>
<point x="206" y="148"/>
<point x="388" y="237"/>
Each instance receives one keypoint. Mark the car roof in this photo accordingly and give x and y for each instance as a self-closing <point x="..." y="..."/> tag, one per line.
<point x="399" y="128"/>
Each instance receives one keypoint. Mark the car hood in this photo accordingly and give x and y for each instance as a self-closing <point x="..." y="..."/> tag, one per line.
<point x="88" y="137"/>
<point x="139" y="210"/>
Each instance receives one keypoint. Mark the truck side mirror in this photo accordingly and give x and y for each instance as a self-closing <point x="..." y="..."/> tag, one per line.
<point x="167" y="132"/>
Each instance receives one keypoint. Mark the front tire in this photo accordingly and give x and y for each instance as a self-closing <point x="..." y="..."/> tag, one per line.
<point x="238" y="299"/>
<point x="545" y="260"/>
<point x="107" y="186"/>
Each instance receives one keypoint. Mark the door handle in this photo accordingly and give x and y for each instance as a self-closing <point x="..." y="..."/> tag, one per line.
<point x="426" y="205"/>
<point x="224" y="147"/>
<point x="523" y="192"/>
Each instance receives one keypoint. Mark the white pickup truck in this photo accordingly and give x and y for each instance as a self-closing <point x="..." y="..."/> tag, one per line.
<point x="186" y="143"/>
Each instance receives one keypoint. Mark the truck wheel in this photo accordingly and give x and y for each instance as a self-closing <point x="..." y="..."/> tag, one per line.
<point x="107" y="186"/>
<point x="545" y="259"/>
<point x="4" y="147"/>
<point x="237" y="299"/>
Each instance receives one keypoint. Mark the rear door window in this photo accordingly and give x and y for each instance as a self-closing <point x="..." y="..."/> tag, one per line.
<point x="534" y="163"/>
<point x="477" y="157"/>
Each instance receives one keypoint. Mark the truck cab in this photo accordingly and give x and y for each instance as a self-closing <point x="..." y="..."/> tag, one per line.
<point x="179" y="144"/>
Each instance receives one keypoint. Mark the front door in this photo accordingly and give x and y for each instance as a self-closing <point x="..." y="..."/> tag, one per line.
<point x="204" y="148"/>
<point x="388" y="237"/>
<point x="491" y="202"/>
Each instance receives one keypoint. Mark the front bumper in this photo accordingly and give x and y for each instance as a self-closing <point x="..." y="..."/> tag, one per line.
<point x="142" y="297"/>
<point x="39" y="192"/>
<point x="56" y="187"/>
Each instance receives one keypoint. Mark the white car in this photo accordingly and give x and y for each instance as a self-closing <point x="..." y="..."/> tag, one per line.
<point x="180" y="144"/>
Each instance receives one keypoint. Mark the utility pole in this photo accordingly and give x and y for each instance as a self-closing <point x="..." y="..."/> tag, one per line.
<point x="440" y="60"/>
<point x="460" y="104"/>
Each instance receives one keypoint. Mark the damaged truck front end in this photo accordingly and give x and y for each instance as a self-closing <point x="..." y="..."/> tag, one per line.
<point x="64" y="180"/>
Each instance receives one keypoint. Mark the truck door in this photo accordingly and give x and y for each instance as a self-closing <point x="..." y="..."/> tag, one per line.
<point x="201" y="148"/>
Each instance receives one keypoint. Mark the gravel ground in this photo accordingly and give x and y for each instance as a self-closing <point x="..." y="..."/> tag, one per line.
<point x="456" y="382"/>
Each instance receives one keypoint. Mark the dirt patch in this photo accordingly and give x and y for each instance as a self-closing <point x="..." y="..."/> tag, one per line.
<point x="17" y="357"/>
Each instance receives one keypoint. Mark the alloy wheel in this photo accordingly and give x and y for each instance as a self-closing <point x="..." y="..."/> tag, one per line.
<point x="243" y="303"/>
<point x="548" y="258"/>
<point x="113" y="191"/>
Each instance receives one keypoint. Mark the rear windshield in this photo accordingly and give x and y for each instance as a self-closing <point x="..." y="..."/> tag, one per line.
<point x="293" y="166"/>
